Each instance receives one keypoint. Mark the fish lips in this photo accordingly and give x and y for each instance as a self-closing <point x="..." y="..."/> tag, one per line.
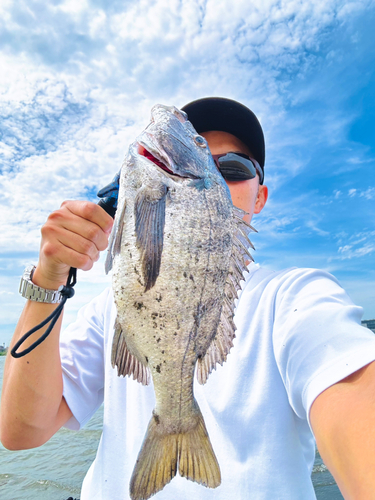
<point x="149" y="150"/>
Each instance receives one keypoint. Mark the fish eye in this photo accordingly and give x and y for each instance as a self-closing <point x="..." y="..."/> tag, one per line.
<point x="200" y="141"/>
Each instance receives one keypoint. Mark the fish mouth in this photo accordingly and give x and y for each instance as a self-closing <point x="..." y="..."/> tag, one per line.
<point x="147" y="154"/>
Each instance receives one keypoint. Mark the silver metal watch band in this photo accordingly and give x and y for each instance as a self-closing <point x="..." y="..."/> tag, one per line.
<point x="36" y="293"/>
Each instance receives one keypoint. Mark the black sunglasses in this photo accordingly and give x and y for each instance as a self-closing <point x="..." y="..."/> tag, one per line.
<point x="237" y="167"/>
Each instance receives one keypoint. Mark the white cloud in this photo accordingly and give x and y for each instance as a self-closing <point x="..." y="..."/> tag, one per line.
<point x="79" y="79"/>
<point x="311" y="224"/>
<point x="369" y="194"/>
<point x="349" y="253"/>
<point x="345" y="249"/>
<point x="357" y="245"/>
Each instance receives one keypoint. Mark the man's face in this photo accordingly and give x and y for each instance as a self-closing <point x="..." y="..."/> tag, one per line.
<point x="248" y="195"/>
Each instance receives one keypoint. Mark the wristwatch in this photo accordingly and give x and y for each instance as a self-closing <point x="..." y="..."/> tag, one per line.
<point x="37" y="293"/>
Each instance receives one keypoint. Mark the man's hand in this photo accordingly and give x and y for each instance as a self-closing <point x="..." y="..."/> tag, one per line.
<point x="73" y="236"/>
<point x="32" y="403"/>
<point x="343" y="421"/>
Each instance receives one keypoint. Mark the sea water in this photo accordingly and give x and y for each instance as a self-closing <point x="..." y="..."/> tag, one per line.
<point x="55" y="471"/>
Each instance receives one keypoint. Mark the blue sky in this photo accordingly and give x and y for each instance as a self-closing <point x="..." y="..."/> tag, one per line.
<point x="78" y="82"/>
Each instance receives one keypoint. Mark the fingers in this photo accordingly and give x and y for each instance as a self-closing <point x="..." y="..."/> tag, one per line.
<point x="73" y="236"/>
<point x="91" y="212"/>
<point x="85" y="221"/>
<point x="69" y="248"/>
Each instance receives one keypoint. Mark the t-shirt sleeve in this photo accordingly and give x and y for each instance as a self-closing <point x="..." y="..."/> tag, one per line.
<point x="318" y="338"/>
<point x="82" y="359"/>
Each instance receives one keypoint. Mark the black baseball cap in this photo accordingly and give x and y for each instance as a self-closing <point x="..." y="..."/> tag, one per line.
<point x="219" y="113"/>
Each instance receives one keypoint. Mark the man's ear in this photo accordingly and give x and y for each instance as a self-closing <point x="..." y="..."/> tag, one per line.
<point x="261" y="199"/>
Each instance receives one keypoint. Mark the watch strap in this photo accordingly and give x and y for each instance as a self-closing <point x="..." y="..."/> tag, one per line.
<point x="30" y="291"/>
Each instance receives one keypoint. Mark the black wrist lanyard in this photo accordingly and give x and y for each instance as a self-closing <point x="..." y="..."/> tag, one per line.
<point x="109" y="203"/>
<point x="67" y="292"/>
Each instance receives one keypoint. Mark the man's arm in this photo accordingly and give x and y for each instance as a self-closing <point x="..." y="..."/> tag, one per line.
<point x="32" y="406"/>
<point x="343" y="421"/>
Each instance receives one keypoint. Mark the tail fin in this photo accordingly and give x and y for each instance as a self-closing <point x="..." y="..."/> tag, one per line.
<point x="161" y="453"/>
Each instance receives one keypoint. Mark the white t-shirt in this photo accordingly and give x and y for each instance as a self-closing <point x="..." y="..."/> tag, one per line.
<point x="298" y="333"/>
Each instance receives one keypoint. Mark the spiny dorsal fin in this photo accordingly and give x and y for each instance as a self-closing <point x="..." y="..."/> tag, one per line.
<point x="127" y="363"/>
<point x="223" y="340"/>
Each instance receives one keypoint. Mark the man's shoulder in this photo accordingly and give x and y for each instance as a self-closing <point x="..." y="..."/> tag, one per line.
<point x="258" y="273"/>
<point x="265" y="283"/>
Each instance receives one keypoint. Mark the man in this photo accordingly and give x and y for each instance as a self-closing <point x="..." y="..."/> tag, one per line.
<point x="301" y="362"/>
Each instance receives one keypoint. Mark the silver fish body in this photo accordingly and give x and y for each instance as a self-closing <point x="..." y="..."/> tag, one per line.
<point x="178" y="249"/>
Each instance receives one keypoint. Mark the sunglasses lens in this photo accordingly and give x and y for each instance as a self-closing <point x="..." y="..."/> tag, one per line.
<point x="235" y="167"/>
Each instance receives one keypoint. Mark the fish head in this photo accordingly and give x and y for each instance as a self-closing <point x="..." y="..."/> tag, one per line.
<point x="171" y="142"/>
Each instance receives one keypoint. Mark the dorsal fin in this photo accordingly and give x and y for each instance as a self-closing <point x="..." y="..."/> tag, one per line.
<point x="223" y="340"/>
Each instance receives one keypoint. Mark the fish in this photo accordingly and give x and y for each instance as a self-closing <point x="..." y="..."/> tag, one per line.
<point x="177" y="251"/>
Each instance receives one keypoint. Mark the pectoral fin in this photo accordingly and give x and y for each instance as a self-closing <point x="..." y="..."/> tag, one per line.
<point x="149" y="230"/>
<point x="114" y="244"/>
